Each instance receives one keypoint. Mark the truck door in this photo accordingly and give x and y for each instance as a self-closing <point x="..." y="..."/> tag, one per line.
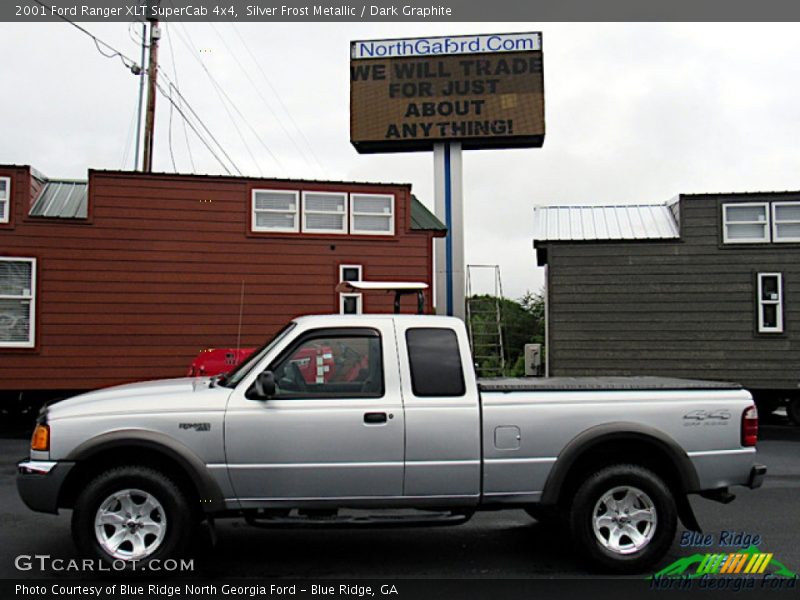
<point x="335" y="428"/>
<point x="440" y="396"/>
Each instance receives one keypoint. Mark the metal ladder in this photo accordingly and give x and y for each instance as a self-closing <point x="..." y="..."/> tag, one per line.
<point x="485" y="324"/>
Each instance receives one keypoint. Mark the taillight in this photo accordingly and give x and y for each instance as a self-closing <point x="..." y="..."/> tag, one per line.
<point x="41" y="438"/>
<point x="750" y="426"/>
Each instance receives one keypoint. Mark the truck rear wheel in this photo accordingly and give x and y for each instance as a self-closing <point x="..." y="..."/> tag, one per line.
<point x="623" y="518"/>
<point x="129" y="516"/>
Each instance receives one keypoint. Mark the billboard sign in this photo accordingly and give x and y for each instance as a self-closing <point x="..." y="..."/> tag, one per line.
<point x="485" y="91"/>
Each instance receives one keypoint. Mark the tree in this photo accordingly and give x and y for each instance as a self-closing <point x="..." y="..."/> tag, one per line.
<point x="522" y="322"/>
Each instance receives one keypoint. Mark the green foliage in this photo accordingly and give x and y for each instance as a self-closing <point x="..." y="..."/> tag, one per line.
<point x="522" y="323"/>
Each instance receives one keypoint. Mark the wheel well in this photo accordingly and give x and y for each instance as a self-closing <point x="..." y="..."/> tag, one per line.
<point x="89" y="468"/>
<point x="643" y="453"/>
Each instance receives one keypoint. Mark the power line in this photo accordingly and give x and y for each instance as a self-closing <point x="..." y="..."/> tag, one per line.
<point x="177" y="82"/>
<point x="189" y="45"/>
<point x="264" y="100"/>
<point x="278" y="96"/>
<point x="169" y="136"/>
<point x="128" y="136"/>
<point x="127" y="61"/>
<point x="138" y="70"/>
<point x="223" y="97"/>
<point x="197" y="133"/>
<point x="186" y="103"/>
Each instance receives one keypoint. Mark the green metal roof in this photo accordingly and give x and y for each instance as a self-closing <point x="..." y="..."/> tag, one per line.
<point x="422" y="219"/>
<point x="64" y="199"/>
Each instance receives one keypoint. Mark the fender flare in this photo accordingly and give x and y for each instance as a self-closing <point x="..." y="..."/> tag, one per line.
<point x="618" y="431"/>
<point x="211" y="497"/>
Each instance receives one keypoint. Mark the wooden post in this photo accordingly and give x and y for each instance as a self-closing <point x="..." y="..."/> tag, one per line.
<point x="150" y="116"/>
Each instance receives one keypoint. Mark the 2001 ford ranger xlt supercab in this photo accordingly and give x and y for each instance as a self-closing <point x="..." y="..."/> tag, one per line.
<point x="393" y="418"/>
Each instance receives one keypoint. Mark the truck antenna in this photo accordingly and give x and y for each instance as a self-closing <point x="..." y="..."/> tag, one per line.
<point x="241" y="312"/>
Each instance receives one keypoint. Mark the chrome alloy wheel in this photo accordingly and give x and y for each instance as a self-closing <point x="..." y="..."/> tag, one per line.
<point x="624" y="520"/>
<point x="130" y="524"/>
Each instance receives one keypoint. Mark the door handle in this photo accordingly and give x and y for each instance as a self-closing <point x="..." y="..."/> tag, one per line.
<point x="374" y="418"/>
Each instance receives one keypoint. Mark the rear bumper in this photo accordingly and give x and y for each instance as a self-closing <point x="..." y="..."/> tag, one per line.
<point x="757" y="474"/>
<point x="39" y="483"/>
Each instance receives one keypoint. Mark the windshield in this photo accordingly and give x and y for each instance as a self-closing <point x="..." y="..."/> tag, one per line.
<point x="233" y="378"/>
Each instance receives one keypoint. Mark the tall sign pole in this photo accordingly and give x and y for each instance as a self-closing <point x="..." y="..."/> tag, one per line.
<point x="152" y="78"/>
<point x="449" y="209"/>
<point x="447" y="94"/>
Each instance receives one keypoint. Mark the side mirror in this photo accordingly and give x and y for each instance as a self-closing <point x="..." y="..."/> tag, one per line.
<point x="265" y="385"/>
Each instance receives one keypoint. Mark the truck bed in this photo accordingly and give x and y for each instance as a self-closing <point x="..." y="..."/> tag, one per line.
<point x="535" y="384"/>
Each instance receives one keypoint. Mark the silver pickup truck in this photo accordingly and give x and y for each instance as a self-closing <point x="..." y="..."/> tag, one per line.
<point x="343" y="420"/>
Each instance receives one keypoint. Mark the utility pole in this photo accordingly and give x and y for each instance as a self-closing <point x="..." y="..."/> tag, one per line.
<point x="141" y="98"/>
<point x="152" y="75"/>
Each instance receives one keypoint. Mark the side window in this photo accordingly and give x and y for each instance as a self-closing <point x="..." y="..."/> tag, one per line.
<point x="435" y="362"/>
<point x="17" y="302"/>
<point x="770" y="303"/>
<point x="332" y="366"/>
<point x="745" y="222"/>
<point x="351" y="303"/>
<point x="5" y="198"/>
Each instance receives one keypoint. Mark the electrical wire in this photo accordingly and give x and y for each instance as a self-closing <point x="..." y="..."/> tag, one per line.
<point x="137" y="69"/>
<point x="127" y="61"/>
<point x="169" y="135"/>
<point x="129" y="137"/>
<point x="186" y="103"/>
<point x="280" y="100"/>
<point x="223" y="96"/>
<point x="168" y="96"/>
<point x="217" y="89"/>
<point x="300" y="151"/>
<point x="177" y="83"/>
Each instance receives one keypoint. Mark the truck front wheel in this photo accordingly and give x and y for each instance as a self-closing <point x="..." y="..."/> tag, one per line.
<point x="131" y="515"/>
<point x="623" y="518"/>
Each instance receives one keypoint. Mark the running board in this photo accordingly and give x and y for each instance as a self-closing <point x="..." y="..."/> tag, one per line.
<point x="356" y="521"/>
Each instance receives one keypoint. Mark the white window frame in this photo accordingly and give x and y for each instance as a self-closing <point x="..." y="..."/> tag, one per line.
<point x="359" y="303"/>
<point x="725" y="223"/>
<point x="775" y="223"/>
<point x="762" y="328"/>
<point x="359" y="297"/>
<point x="343" y="196"/>
<point x="354" y="214"/>
<point x="253" y="211"/>
<point x="7" y="201"/>
<point x="31" y="296"/>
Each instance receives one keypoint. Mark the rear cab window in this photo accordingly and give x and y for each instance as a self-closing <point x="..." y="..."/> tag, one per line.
<point x="435" y="362"/>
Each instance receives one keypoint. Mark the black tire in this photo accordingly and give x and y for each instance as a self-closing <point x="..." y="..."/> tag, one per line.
<point x="793" y="410"/>
<point x="173" y="515"/>
<point x="610" y="548"/>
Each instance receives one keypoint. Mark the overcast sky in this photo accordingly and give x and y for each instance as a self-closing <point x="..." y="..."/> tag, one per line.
<point x="635" y="113"/>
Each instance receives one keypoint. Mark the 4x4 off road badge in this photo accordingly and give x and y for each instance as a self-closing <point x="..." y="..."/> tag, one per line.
<point x="706" y="417"/>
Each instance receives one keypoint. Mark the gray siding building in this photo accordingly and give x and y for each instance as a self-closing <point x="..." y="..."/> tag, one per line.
<point x="706" y="286"/>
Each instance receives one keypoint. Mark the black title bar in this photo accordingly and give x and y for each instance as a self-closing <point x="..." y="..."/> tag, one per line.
<point x="401" y="10"/>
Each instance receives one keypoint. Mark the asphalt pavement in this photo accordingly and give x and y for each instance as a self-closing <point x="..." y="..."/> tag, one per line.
<point x="502" y="544"/>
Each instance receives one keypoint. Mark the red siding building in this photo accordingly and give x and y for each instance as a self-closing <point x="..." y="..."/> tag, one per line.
<point x="129" y="275"/>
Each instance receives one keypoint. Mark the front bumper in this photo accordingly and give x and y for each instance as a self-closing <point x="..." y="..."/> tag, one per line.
<point x="757" y="474"/>
<point x="39" y="483"/>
